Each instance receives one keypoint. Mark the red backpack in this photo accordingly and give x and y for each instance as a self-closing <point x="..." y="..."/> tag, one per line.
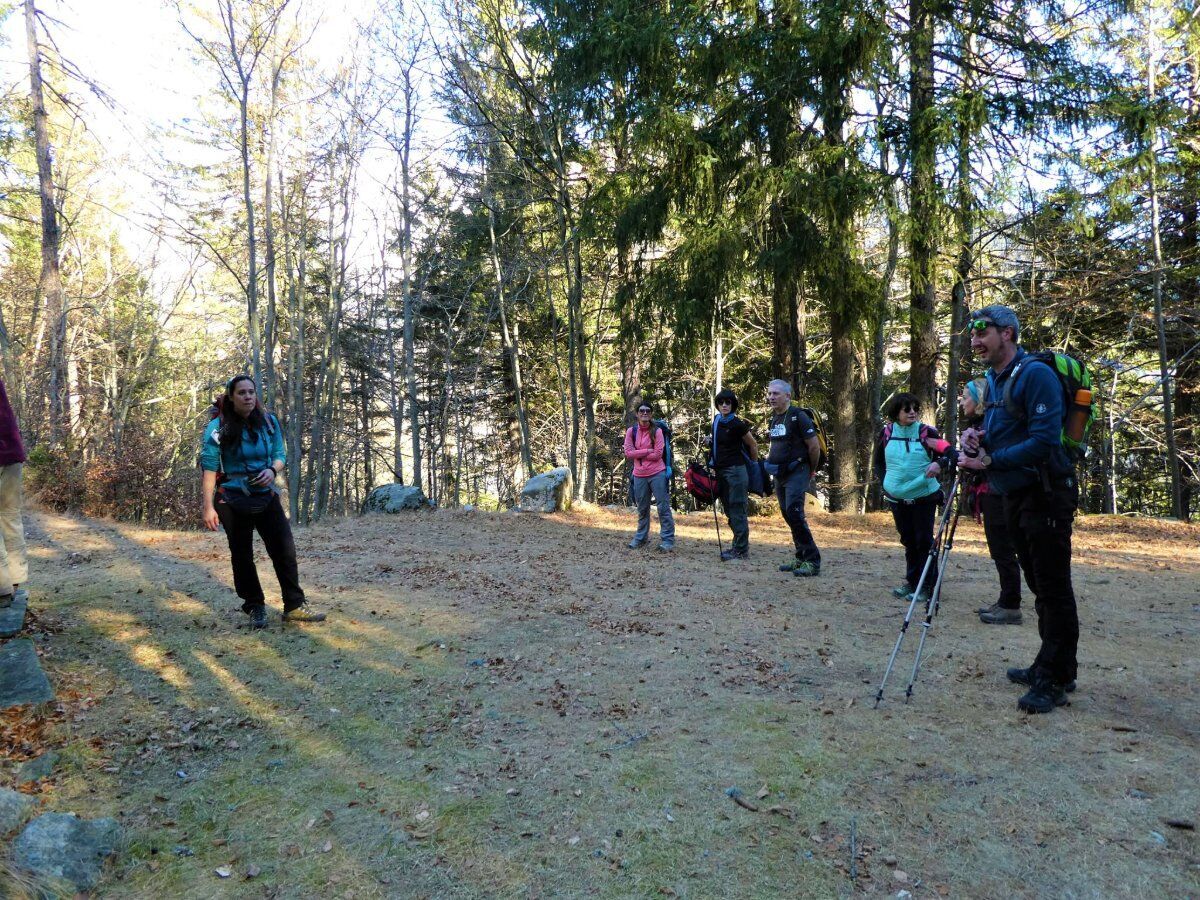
<point x="701" y="483"/>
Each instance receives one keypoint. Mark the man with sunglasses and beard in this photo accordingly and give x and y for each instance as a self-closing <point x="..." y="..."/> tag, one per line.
<point x="1024" y="461"/>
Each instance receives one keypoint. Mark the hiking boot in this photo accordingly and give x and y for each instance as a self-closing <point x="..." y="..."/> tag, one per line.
<point x="1024" y="676"/>
<point x="665" y="548"/>
<point x="903" y="592"/>
<point x="790" y="565"/>
<point x="635" y="544"/>
<point x="1042" y="697"/>
<point x="303" y="613"/>
<point x="258" y="617"/>
<point x="1000" y="615"/>
<point x="727" y="555"/>
<point x="806" y="570"/>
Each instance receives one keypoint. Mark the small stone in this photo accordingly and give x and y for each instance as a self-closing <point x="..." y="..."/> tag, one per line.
<point x="223" y="871"/>
<point x="13" y="806"/>
<point x="889" y="861"/>
<point x="1138" y="795"/>
<point x="901" y="876"/>
<point x="37" y="768"/>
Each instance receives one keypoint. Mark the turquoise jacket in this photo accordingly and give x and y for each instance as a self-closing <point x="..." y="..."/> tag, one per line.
<point x="906" y="460"/>
<point x="257" y="451"/>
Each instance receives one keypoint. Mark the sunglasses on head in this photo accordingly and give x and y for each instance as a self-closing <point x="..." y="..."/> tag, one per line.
<point x="978" y="325"/>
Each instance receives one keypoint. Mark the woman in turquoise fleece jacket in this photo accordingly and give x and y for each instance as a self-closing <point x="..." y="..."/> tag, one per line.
<point x="241" y="457"/>
<point x="904" y="458"/>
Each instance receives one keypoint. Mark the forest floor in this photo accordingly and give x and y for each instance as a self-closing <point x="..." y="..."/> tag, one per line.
<point x="506" y="705"/>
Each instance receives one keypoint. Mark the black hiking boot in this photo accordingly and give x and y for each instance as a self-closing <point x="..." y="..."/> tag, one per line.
<point x="635" y="544"/>
<point x="806" y="570"/>
<point x="1024" y="676"/>
<point x="303" y="613"/>
<point x="727" y="555"/>
<point x="1000" y="615"/>
<point x="1042" y="697"/>
<point x="258" y="616"/>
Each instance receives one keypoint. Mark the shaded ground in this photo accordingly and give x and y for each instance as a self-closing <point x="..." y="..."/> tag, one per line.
<point x="507" y="705"/>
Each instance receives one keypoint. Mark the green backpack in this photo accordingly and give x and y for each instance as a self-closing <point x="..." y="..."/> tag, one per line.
<point x="1078" y="408"/>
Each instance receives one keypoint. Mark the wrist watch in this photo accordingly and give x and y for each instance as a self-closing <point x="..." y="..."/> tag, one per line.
<point x="985" y="460"/>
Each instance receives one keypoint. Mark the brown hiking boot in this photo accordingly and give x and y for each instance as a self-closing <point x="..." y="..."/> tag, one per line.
<point x="303" y="613"/>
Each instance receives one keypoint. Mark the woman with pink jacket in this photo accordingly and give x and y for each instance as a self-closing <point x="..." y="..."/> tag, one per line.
<point x="644" y="446"/>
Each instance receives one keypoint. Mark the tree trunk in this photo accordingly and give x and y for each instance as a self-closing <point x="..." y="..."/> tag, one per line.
<point x="50" y="287"/>
<point x="1159" y="324"/>
<point x="922" y="205"/>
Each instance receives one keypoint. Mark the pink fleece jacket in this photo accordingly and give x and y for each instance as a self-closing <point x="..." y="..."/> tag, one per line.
<point x="645" y="450"/>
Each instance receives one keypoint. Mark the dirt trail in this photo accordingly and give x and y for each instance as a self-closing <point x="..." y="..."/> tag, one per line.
<point x="506" y="705"/>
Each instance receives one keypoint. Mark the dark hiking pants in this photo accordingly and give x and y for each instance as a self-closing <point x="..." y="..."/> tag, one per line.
<point x="790" y="489"/>
<point x="1001" y="549"/>
<point x="276" y="533"/>
<point x="914" y="521"/>
<point x="1040" y="525"/>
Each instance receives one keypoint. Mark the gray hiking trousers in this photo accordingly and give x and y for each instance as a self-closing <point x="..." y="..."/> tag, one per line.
<point x="642" y="489"/>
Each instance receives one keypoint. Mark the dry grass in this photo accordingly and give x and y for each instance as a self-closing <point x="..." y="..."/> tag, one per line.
<point x="507" y="706"/>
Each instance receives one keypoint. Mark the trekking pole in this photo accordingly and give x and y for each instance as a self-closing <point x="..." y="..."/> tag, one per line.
<point x="718" y="524"/>
<point x="931" y="565"/>
<point x="935" y="597"/>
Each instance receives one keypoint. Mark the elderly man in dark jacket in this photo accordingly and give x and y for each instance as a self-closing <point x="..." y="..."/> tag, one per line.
<point x="1025" y="462"/>
<point x="13" y="568"/>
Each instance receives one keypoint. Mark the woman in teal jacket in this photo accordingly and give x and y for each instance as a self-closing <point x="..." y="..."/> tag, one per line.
<point x="905" y="459"/>
<point x="241" y="457"/>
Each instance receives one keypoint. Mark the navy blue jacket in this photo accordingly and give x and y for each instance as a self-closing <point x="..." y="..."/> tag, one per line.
<point x="1018" y="447"/>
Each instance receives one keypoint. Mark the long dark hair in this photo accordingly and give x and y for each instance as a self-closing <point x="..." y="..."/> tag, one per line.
<point x="231" y="423"/>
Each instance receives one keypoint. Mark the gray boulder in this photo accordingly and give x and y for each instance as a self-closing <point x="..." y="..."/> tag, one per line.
<point x="21" y="677"/>
<point x="392" y="498"/>
<point x="547" y="492"/>
<point x="12" y="618"/>
<point x="58" y="847"/>
<point x="13" y="807"/>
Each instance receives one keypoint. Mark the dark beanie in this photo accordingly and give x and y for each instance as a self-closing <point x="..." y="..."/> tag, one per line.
<point x="726" y="394"/>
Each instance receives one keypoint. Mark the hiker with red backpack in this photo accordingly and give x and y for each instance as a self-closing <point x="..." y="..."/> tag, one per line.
<point x="646" y="448"/>
<point x="241" y="457"/>
<point x="730" y="441"/>
<point x="1028" y="425"/>
<point x="909" y="459"/>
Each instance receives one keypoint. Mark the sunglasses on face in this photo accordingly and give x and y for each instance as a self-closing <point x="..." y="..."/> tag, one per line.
<point x="911" y="408"/>
<point x="979" y="325"/>
<point x="643" y="410"/>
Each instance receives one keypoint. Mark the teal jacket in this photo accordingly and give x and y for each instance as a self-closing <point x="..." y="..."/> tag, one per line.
<point x="257" y="451"/>
<point x="905" y="461"/>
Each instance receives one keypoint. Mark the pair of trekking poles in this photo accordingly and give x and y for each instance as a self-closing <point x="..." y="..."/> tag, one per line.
<point x="935" y="572"/>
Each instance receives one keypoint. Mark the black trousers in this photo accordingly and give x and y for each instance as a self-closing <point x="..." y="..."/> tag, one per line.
<point x="1001" y="548"/>
<point x="914" y="521"/>
<point x="276" y="533"/>
<point x="1040" y="525"/>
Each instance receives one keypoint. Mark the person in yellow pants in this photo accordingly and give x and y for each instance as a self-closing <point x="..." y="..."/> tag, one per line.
<point x="14" y="570"/>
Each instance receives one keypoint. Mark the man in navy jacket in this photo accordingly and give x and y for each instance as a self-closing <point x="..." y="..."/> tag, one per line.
<point x="1025" y="462"/>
